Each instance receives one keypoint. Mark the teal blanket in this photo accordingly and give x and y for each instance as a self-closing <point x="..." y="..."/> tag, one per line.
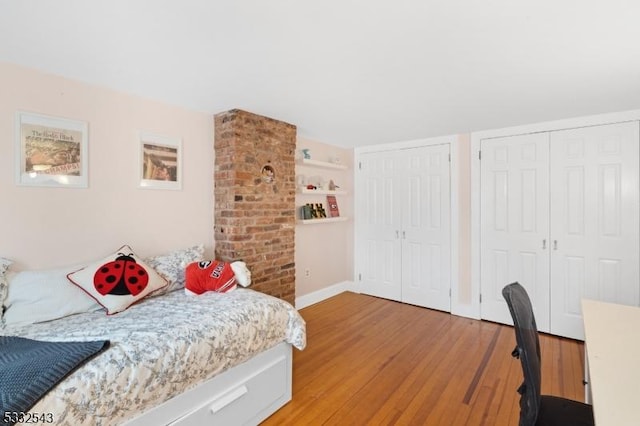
<point x="30" y="368"/>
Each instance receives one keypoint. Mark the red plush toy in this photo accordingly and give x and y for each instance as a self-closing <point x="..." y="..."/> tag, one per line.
<point x="215" y="275"/>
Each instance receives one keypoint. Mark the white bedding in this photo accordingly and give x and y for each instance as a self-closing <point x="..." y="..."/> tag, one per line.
<point x="160" y="348"/>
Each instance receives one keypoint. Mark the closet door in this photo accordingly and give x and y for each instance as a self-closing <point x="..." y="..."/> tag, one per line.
<point x="514" y="214"/>
<point x="594" y="221"/>
<point x="426" y="228"/>
<point x="379" y="225"/>
<point x="404" y="230"/>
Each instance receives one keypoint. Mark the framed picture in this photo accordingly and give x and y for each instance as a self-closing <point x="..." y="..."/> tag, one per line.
<point x="160" y="161"/>
<point x="51" y="151"/>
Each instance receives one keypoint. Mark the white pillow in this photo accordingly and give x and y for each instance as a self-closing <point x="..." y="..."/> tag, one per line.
<point x="118" y="281"/>
<point x="4" y="265"/>
<point x="172" y="265"/>
<point x="38" y="296"/>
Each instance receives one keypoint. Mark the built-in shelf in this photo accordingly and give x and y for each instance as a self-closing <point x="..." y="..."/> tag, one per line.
<point x="322" y="220"/>
<point x="305" y="191"/>
<point x="324" y="164"/>
<point x="320" y="192"/>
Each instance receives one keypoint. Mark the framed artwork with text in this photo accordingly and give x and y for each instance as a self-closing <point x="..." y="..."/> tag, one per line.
<point x="51" y="151"/>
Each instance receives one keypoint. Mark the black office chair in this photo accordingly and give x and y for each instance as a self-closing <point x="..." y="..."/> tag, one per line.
<point x="537" y="409"/>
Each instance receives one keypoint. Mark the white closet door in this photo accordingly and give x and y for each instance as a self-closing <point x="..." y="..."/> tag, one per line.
<point x="426" y="228"/>
<point x="379" y="223"/>
<point x="594" y="221"/>
<point x="515" y="223"/>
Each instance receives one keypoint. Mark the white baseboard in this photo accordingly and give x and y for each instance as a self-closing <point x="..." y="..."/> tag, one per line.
<point x="461" y="310"/>
<point x="467" y="311"/>
<point x="325" y="293"/>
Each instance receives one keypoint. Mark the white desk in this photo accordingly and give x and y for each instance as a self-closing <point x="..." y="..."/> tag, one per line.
<point x="612" y="340"/>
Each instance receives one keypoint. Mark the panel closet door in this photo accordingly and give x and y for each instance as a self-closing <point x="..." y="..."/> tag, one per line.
<point x="594" y="221"/>
<point x="379" y="225"/>
<point x="426" y="227"/>
<point x="514" y="215"/>
<point x="404" y="230"/>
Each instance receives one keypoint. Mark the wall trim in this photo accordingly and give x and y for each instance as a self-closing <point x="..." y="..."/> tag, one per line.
<point x="464" y="310"/>
<point x="415" y="143"/>
<point x="324" y="293"/>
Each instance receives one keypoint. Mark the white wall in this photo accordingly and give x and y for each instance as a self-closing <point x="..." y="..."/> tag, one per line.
<point x="326" y="250"/>
<point x="48" y="227"/>
<point x="464" y="220"/>
<point x="45" y="227"/>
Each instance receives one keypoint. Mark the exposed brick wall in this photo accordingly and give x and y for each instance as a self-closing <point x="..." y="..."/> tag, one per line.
<point x="255" y="218"/>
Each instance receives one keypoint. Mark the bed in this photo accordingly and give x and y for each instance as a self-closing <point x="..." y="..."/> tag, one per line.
<point x="176" y="359"/>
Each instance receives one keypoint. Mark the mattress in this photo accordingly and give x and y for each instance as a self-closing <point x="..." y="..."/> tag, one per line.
<point x="159" y="349"/>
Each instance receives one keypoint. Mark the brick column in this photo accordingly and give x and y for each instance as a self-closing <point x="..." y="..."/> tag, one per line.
<point x="254" y="180"/>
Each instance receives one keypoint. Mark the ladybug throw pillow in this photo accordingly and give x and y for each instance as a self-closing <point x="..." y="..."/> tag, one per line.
<point x="118" y="281"/>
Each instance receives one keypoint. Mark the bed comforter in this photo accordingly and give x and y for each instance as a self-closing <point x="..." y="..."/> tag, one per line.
<point x="159" y="349"/>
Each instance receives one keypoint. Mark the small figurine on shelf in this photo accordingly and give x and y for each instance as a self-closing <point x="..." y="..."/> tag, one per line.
<point x="320" y="211"/>
<point x="317" y="181"/>
<point x="332" y="186"/>
<point x="312" y="211"/>
<point x="306" y="154"/>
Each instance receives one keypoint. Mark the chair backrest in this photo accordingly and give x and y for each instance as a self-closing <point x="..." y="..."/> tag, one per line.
<point x="527" y="349"/>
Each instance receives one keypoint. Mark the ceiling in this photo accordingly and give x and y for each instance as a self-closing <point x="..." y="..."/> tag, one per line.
<point x="346" y="72"/>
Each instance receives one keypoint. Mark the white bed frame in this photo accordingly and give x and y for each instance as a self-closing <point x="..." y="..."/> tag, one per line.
<point x="243" y="395"/>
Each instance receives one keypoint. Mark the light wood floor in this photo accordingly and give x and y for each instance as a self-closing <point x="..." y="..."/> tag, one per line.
<point x="374" y="361"/>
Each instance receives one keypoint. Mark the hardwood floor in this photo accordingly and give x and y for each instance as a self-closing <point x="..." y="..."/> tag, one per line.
<point x="375" y="361"/>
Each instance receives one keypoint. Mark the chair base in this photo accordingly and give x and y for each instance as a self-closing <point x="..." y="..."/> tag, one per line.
<point x="556" y="411"/>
